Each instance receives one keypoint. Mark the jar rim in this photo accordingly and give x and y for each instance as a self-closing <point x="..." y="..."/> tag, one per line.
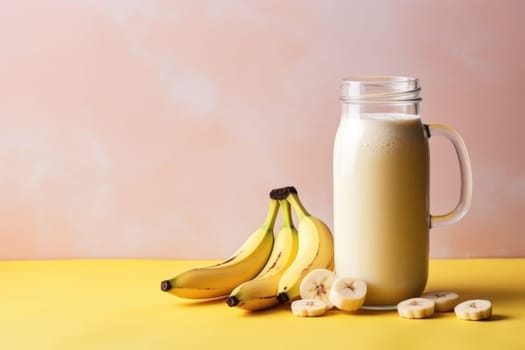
<point x="380" y="89"/>
<point x="384" y="79"/>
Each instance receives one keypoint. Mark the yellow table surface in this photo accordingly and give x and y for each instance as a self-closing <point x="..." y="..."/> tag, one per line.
<point x="117" y="304"/>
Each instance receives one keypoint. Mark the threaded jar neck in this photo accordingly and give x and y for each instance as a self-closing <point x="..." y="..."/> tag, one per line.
<point x="380" y="94"/>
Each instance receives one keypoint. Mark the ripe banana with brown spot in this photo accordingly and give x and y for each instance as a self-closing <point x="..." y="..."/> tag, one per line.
<point x="220" y="279"/>
<point x="261" y="292"/>
<point x="316" y="247"/>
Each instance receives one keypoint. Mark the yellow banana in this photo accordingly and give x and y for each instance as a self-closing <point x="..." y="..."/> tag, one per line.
<point x="261" y="292"/>
<point x="220" y="279"/>
<point x="316" y="248"/>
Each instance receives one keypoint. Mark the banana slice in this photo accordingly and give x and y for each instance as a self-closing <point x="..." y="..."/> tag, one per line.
<point x="308" y="307"/>
<point x="445" y="301"/>
<point x="416" y="308"/>
<point x="474" y="310"/>
<point x="316" y="285"/>
<point x="348" y="293"/>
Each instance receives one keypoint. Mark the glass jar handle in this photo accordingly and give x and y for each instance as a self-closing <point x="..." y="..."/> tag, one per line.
<point x="465" y="197"/>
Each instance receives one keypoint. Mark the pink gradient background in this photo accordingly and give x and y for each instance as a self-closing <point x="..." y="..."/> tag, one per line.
<point x="157" y="128"/>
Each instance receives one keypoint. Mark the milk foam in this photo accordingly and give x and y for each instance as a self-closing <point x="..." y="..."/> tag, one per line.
<point x="380" y="132"/>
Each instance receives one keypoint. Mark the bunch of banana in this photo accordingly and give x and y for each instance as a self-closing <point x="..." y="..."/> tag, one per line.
<point x="316" y="248"/>
<point x="261" y="292"/>
<point x="220" y="279"/>
<point x="264" y="273"/>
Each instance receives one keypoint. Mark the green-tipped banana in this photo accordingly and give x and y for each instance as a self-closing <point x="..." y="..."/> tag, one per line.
<point x="220" y="279"/>
<point x="261" y="292"/>
<point x="316" y="248"/>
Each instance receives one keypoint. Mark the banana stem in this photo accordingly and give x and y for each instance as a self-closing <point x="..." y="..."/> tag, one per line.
<point x="273" y="210"/>
<point x="286" y="212"/>
<point x="293" y="198"/>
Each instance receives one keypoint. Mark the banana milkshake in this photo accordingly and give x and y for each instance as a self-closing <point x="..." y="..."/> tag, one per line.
<point x="381" y="217"/>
